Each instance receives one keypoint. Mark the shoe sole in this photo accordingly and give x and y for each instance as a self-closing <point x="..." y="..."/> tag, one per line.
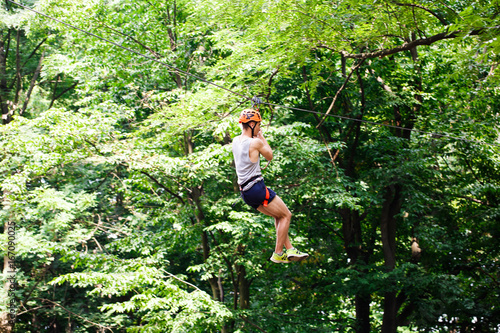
<point x="280" y="261"/>
<point x="298" y="258"/>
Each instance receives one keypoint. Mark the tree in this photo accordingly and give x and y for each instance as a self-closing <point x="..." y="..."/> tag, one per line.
<point x="125" y="192"/>
<point x="23" y="91"/>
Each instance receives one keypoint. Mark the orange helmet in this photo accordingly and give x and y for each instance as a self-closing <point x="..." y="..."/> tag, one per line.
<point x="249" y="115"/>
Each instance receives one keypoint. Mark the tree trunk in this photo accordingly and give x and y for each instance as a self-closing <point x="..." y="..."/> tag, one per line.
<point x="243" y="282"/>
<point x="4" y="98"/>
<point x="391" y="207"/>
<point x="351" y="228"/>
<point x="244" y="288"/>
<point x="173" y="40"/>
<point x="32" y="85"/>
<point x="362" y="303"/>
<point x="200" y="219"/>
<point x="389" y="324"/>
<point x="196" y="193"/>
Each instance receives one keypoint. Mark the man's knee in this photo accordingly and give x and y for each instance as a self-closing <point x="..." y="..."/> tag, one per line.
<point x="287" y="215"/>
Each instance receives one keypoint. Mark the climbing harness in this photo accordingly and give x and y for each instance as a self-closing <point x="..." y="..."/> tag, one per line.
<point x="266" y="200"/>
<point x="254" y="179"/>
<point x="242" y="186"/>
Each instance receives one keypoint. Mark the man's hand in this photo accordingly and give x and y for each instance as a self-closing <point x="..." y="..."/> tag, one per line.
<point x="260" y="135"/>
<point x="263" y="147"/>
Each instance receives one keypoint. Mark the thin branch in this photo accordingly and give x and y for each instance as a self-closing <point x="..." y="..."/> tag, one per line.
<point x="443" y="22"/>
<point x="225" y="258"/>
<point x="339" y="91"/>
<point x="8" y="39"/>
<point x="58" y="79"/>
<point x="171" y="35"/>
<point x="319" y="20"/>
<point x="26" y="299"/>
<point x="254" y="325"/>
<point x="472" y="171"/>
<point x="475" y="200"/>
<point x="451" y="9"/>
<point x="102" y="227"/>
<point x="62" y="93"/>
<point x="163" y="186"/>
<point x="18" y="77"/>
<point x="76" y="315"/>
<point x="380" y="80"/>
<point x="409" y="45"/>
<point x="311" y="106"/>
<point x="153" y="52"/>
<point x="32" y="85"/>
<point x="32" y="309"/>
<point x="492" y="277"/>
<point x="34" y="51"/>
<point x="178" y="279"/>
<point x="103" y="249"/>
<point x="269" y="84"/>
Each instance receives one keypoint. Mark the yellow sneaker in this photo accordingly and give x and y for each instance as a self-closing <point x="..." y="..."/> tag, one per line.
<point x="295" y="255"/>
<point x="279" y="259"/>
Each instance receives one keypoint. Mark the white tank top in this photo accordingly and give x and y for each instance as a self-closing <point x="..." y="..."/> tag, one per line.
<point x="245" y="168"/>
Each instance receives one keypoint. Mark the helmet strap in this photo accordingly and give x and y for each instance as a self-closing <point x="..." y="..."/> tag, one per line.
<point x="252" y="128"/>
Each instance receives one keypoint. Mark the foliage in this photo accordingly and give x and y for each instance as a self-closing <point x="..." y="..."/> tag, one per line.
<point x="119" y="172"/>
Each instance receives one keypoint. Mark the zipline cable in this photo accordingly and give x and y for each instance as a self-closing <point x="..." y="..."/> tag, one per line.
<point x="175" y="69"/>
<point x="387" y="125"/>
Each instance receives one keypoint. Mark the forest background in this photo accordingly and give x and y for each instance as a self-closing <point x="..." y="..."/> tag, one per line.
<point x="118" y="186"/>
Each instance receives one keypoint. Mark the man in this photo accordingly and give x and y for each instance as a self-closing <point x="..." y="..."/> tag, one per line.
<point x="247" y="149"/>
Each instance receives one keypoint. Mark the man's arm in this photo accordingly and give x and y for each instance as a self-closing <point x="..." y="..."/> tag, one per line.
<point x="262" y="147"/>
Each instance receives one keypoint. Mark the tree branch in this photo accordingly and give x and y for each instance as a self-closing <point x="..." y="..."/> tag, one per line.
<point x="254" y="325"/>
<point x="311" y="107"/>
<point x="408" y="46"/>
<point x="443" y="22"/>
<point x="475" y="200"/>
<point x="62" y="93"/>
<point x="34" y="51"/>
<point x="32" y="85"/>
<point x="339" y="91"/>
<point x="153" y="52"/>
<point x="228" y="262"/>
<point x="178" y="279"/>
<point x="17" y="79"/>
<point x="269" y="84"/>
<point x="163" y="186"/>
<point x="76" y="315"/>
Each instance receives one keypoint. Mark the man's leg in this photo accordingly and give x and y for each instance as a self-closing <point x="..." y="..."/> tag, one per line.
<point x="282" y="217"/>
<point x="288" y="244"/>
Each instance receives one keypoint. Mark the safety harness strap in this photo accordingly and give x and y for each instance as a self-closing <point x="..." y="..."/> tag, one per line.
<point x="242" y="186"/>
<point x="266" y="200"/>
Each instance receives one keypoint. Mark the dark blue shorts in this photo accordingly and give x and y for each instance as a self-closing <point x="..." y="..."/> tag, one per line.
<point x="256" y="195"/>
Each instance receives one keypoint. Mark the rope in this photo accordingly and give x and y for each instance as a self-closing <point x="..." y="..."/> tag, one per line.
<point x="387" y="125"/>
<point x="130" y="50"/>
<point x="249" y="98"/>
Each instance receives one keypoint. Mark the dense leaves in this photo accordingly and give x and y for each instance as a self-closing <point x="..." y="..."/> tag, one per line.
<point x="117" y="168"/>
